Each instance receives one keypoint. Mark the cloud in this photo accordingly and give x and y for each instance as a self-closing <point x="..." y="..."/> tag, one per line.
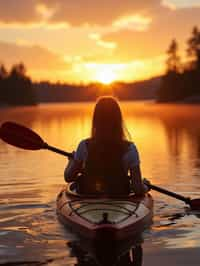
<point x="127" y="32"/>
<point x="75" y="12"/>
<point x="44" y="11"/>
<point x="132" y="70"/>
<point x="34" y="57"/>
<point x="176" y="4"/>
<point x="134" y="22"/>
<point x="23" y="11"/>
<point x="165" y="26"/>
<point x="135" y="45"/>
<point x="100" y="42"/>
<point x="102" y="12"/>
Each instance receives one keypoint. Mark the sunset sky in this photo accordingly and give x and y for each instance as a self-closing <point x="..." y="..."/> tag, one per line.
<point x="88" y="40"/>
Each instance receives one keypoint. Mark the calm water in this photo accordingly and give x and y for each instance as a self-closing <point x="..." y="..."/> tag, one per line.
<point x="168" y="139"/>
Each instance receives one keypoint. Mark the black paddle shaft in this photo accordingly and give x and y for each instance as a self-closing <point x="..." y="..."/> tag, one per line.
<point x="169" y="193"/>
<point x="51" y="148"/>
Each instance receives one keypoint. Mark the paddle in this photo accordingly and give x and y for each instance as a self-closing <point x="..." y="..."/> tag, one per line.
<point x="23" y="137"/>
<point x="194" y="203"/>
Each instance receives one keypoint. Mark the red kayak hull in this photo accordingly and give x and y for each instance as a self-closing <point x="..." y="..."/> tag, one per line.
<point x="130" y="225"/>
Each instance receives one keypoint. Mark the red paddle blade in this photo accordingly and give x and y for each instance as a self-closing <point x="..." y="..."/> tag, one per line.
<point x="20" y="136"/>
<point x="195" y="204"/>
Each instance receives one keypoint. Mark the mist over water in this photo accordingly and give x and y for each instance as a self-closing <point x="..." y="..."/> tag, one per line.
<point x="168" y="140"/>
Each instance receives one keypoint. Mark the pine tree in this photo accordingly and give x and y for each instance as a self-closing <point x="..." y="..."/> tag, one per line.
<point x="3" y="91"/>
<point x="173" y="62"/>
<point x="19" y="87"/>
<point x="3" y="72"/>
<point x="193" y="49"/>
<point x="170" y="89"/>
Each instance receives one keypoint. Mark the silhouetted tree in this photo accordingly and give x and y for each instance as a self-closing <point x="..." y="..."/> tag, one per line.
<point x="20" y="86"/>
<point x="180" y="83"/>
<point x="16" y="87"/>
<point x="193" y="71"/>
<point x="3" y="72"/>
<point x="170" y="88"/>
<point x="193" y="49"/>
<point x="3" y="76"/>
<point x="173" y="61"/>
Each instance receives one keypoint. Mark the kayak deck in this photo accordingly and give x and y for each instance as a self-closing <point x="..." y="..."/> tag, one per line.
<point x="95" y="218"/>
<point x="117" y="211"/>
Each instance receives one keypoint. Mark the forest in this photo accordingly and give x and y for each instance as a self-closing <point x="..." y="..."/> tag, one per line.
<point x="15" y="87"/>
<point x="181" y="81"/>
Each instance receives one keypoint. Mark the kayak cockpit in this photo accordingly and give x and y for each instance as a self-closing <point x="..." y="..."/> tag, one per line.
<point x="98" y="210"/>
<point x="94" y="216"/>
<point x="71" y="190"/>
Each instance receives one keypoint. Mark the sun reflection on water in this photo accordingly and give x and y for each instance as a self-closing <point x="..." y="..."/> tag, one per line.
<point x="168" y="140"/>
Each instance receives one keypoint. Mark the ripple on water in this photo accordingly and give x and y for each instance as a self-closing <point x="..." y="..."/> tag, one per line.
<point x="30" y="181"/>
<point x="33" y="235"/>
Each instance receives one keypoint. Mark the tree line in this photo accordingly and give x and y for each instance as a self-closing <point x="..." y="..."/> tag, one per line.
<point x="182" y="78"/>
<point x="62" y="92"/>
<point x="16" y="87"/>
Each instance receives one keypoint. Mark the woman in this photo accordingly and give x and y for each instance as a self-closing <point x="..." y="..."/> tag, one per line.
<point x="106" y="159"/>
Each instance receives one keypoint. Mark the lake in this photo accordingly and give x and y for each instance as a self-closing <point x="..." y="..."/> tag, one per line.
<point x="168" y="140"/>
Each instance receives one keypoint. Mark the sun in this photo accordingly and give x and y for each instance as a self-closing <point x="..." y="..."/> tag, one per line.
<point x="104" y="73"/>
<point x="106" y="76"/>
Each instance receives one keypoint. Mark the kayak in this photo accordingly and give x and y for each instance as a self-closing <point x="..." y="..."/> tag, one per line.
<point x="104" y="217"/>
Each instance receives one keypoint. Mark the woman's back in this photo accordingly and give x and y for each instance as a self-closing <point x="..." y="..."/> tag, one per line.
<point x="103" y="158"/>
<point x="104" y="171"/>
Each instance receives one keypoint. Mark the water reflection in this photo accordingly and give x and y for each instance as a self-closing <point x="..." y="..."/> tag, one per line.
<point x="176" y="127"/>
<point x="168" y="140"/>
<point x="106" y="253"/>
<point x="183" y="135"/>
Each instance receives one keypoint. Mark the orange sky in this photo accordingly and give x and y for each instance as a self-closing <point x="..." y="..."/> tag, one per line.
<point x="87" y="40"/>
